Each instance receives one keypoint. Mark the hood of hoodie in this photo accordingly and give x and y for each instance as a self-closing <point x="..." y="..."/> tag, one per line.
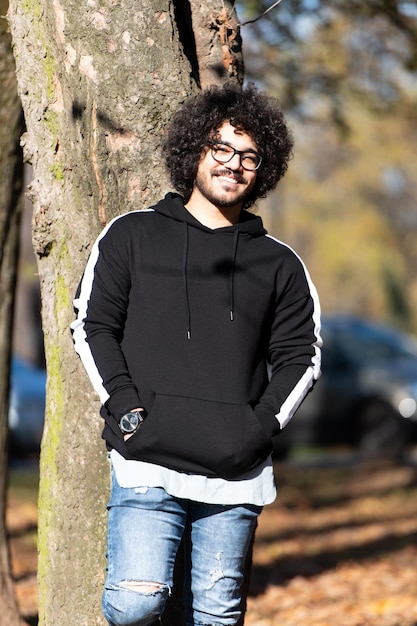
<point x="173" y="206"/>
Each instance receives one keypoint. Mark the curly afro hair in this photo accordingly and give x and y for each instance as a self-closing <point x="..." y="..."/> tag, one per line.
<point x="246" y="109"/>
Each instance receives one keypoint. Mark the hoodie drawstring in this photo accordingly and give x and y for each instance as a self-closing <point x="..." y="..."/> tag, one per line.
<point x="187" y="301"/>
<point x="232" y="274"/>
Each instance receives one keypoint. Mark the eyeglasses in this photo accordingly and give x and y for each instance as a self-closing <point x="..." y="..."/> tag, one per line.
<point x="223" y="153"/>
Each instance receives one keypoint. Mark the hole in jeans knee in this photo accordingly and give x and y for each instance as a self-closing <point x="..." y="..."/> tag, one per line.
<point x="142" y="586"/>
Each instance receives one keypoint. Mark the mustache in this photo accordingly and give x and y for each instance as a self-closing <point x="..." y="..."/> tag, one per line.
<point x="228" y="172"/>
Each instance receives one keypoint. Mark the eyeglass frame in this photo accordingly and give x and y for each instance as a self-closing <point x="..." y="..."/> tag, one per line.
<point x="212" y="145"/>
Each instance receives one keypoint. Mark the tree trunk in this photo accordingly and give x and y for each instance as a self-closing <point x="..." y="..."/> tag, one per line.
<point x="218" y="43"/>
<point x="98" y="84"/>
<point x="11" y="166"/>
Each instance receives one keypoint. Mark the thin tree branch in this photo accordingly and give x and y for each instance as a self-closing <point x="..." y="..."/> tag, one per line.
<point x="262" y="14"/>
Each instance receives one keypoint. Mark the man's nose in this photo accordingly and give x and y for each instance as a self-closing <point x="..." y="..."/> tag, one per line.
<point x="235" y="162"/>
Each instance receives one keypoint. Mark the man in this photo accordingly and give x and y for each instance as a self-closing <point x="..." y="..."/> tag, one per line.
<point x="180" y="309"/>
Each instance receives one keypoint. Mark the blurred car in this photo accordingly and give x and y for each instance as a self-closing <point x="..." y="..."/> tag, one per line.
<point x="27" y="406"/>
<point x="367" y="394"/>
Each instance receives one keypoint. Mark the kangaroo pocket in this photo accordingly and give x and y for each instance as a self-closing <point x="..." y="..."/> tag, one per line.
<point x="200" y="436"/>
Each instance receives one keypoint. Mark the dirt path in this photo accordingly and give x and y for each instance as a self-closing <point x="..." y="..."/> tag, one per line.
<point x="337" y="548"/>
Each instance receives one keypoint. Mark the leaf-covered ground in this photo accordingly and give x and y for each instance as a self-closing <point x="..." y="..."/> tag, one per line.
<point x="337" y="548"/>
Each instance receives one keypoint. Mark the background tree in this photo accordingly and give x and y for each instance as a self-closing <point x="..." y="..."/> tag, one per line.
<point x="98" y="83"/>
<point x="11" y="165"/>
<point x="346" y="74"/>
<point x="374" y="47"/>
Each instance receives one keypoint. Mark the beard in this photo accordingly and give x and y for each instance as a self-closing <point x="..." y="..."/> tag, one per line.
<point x="222" y="198"/>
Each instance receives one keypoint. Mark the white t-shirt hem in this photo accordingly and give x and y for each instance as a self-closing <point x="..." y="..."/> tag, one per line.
<point x="256" y="487"/>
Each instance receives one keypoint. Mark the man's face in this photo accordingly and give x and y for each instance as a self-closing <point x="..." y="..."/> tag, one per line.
<point x="227" y="184"/>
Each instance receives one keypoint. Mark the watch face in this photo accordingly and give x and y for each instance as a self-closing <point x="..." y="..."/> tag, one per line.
<point x="129" y="422"/>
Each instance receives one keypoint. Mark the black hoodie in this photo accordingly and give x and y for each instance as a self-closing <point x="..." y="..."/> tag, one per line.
<point x="182" y="320"/>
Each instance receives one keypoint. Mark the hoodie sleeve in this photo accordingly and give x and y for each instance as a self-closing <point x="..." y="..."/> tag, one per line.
<point x="294" y="347"/>
<point x="101" y="305"/>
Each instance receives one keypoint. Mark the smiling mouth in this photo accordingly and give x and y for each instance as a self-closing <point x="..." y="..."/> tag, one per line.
<point x="229" y="178"/>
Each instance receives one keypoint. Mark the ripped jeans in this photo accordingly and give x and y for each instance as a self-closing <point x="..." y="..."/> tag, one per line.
<point x="145" y="527"/>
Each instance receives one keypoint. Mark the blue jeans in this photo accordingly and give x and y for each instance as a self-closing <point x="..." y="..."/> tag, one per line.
<point x="145" y="527"/>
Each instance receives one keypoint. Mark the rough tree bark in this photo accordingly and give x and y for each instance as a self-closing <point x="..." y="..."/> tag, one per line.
<point x="11" y="166"/>
<point x="98" y="83"/>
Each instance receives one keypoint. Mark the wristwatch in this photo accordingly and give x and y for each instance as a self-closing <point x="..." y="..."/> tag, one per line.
<point x="130" y="422"/>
